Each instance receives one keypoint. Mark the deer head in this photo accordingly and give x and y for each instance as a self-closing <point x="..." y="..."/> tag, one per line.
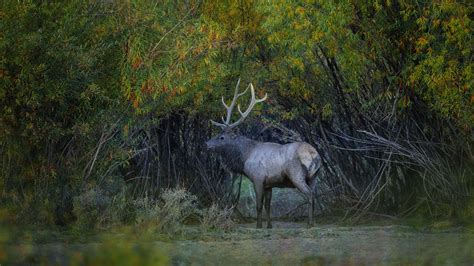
<point x="226" y="138"/>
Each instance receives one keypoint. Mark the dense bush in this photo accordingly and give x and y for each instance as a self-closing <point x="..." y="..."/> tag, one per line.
<point x="98" y="94"/>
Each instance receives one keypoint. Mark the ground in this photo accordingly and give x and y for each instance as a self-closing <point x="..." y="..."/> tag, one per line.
<point x="287" y="243"/>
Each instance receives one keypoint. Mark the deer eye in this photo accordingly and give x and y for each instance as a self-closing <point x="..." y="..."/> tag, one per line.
<point x="222" y="137"/>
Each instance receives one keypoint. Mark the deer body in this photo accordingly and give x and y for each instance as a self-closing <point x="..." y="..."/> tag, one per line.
<point x="266" y="164"/>
<point x="275" y="163"/>
<point x="270" y="165"/>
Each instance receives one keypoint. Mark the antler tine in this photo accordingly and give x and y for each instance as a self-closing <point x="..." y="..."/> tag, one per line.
<point x="223" y="102"/>
<point x="252" y="103"/>
<point x="218" y="124"/>
<point x="245" y="91"/>
<point x="229" y="108"/>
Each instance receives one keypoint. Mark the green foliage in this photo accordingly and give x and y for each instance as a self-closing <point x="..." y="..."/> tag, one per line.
<point x="58" y="85"/>
<point x="423" y="50"/>
<point x="81" y="83"/>
<point x="442" y="68"/>
<point x="178" y="55"/>
<point x="303" y="37"/>
<point x="169" y="56"/>
<point x="56" y="68"/>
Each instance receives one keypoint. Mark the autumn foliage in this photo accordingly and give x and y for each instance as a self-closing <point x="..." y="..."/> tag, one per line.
<point x="113" y="94"/>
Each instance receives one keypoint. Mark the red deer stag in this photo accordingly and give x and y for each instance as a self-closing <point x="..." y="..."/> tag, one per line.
<point x="266" y="164"/>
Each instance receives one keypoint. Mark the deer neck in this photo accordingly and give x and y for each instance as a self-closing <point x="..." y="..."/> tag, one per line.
<point x="235" y="155"/>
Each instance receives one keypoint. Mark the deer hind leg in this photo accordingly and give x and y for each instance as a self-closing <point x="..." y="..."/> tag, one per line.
<point x="313" y="186"/>
<point x="258" y="187"/>
<point x="300" y="183"/>
<point x="306" y="190"/>
<point x="268" y="199"/>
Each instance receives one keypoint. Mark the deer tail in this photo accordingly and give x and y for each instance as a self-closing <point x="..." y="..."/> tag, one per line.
<point x="309" y="158"/>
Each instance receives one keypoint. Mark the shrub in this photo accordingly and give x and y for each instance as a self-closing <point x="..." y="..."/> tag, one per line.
<point x="89" y="208"/>
<point x="217" y="218"/>
<point x="122" y="210"/>
<point x="147" y="212"/>
<point x="169" y="214"/>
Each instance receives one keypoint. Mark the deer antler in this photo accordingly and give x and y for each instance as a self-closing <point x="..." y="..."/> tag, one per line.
<point x="226" y="123"/>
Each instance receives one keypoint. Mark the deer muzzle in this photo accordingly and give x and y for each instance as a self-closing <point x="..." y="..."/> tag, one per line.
<point x="210" y="144"/>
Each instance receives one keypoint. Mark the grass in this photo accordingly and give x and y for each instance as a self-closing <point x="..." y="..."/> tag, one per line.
<point x="161" y="233"/>
<point x="288" y="242"/>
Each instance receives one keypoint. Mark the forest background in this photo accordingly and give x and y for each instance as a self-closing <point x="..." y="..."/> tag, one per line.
<point x="106" y="104"/>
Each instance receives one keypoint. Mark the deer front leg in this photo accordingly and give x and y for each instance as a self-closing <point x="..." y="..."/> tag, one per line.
<point x="268" y="200"/>
<point x="259" y="197"/>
